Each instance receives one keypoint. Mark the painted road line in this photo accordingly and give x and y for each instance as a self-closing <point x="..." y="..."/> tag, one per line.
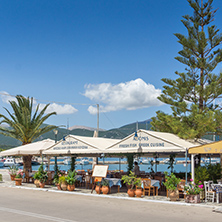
<point x="46" y="217"/>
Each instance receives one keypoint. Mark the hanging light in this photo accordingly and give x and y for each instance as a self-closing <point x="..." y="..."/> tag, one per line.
<point x="136" y="136"/>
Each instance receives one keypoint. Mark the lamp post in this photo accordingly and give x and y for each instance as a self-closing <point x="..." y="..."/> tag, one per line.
<point x="56" y="132"/>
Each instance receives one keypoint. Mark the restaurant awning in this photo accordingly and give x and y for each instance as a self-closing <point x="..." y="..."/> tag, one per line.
<point x="34" y="148"/>
<point x="210" y="148"/>
<point x="80" y="145"/>
<point x="144" y="141"/>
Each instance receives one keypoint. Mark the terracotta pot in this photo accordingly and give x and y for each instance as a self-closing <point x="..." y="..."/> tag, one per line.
<point x="58" y="186"/>
<point x="71" y="187"/>
<point x="173" y="195"/>
<point x="41" y="185"/>
<point x="105" y="189"/>
<point x="18" y="181"/>
<point x="97" y="189"/>
<point x="131" y="193"/>
<point x="36" y="182"/>
<point x="202" y="194"/>
<point x="12" y="177"/>
<point x="138" y="192"/>
<point x="192" y="198"/>
<point x="63" y="186"/>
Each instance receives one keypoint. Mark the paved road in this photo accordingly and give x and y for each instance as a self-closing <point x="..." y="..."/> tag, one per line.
<point x="31" y="205"/>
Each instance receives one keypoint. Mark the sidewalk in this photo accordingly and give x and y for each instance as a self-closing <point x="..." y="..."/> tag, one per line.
<point x="114" y="194"/>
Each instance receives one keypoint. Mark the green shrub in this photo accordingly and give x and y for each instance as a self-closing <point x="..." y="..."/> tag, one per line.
<point x="171" y="181"/>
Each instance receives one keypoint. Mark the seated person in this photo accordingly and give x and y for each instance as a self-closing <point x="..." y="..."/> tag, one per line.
<point x="136" y="168"/>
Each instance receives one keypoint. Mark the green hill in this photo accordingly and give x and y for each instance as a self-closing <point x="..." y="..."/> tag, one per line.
<point x="117" y="133"/>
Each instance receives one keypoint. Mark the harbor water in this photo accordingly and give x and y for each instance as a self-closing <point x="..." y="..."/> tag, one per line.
<point x="121" y="165"/>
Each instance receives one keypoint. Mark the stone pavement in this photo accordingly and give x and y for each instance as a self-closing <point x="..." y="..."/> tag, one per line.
<point x="114" y="194"/>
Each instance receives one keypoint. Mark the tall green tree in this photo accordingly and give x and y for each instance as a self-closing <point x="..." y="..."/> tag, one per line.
<point x="24" y="125"/>
<point x="193" y="93"/>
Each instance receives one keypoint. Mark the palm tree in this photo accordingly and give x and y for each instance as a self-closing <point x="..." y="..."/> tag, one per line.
<point x="25" y="126"/>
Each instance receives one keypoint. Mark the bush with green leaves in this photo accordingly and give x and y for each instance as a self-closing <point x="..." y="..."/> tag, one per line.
<point x="171" y="181"/>
<point x="41" y="175"/>
<point x="138" y="182"/>
<point x="62" y="179"/>
<point x="71" y="177"/>
<point x="129" y="179"/>
<point x="208" y="172"/>
<point x="13" y="170"/>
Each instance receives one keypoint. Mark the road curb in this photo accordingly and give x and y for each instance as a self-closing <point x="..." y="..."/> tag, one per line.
<point x="215" y="208"/>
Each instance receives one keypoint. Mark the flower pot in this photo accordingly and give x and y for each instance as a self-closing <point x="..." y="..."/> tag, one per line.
<point x="131" y="193"/>
<point x="192" y="198"/>
<point x="12" y="177"/>
<point x="41" y="185"/>
<point x="71" y="187"/>
<point x="105" y="189"/>
<point x="18" y="181"/>
<point x="202" y="194"/>
<point x="138" y="192"/>
<point x="64" y="186"/>
<point x="36" y="182"/>
<point x="173" y="195"/>
<point x="97" y="189"/>
<point x="58" y="186"/>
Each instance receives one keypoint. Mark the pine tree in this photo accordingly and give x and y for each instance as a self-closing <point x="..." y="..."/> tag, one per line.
<point x="193" y="93"/>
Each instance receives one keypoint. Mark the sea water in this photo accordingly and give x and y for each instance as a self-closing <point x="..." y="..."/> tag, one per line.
<point x="121" y="166"/>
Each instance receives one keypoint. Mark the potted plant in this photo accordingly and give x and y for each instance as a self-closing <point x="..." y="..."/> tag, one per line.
<point x="105" y="186"/>
<point x="18" y="178"/>
<point x="97" y="188"/>
<point x="192" y="191"/>
<point x="36" y="179"/>
<point x="138" y="183"/>
<point x="171" y="185"/>
<point x="56" y="178"/>
<point x="63" y="183"/>
<point x="129" y="180"/>
<point x="70" y="180"/>
<point x="56" y="181"/>
<point x="12" y="171"/>
<point x="40" y="177"/>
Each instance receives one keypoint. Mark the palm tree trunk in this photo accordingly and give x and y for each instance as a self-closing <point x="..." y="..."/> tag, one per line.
<point x="27" y="163"/>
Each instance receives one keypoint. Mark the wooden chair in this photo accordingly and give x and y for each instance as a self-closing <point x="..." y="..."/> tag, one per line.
<point x="88" y="181"/>
<point x="209" y="192"/>
<point x="147" y="187"/>
<point x="180" y="187"/>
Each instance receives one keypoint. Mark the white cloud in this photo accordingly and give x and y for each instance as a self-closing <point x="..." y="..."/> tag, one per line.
<point x="59" y="109"/>
<point x="6" y="97"/>
<point x="135" y="94"/>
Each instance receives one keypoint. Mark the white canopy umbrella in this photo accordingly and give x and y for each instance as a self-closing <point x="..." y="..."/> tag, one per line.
<point x="34" y="148"/>
<point x="80" y="145"/>
<point x="144" y="141"/>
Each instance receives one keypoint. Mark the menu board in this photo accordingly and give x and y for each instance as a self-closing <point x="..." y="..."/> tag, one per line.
<point x="100" y="171"/>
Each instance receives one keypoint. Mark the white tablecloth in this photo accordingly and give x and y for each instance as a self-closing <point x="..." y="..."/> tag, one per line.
<point x="155" y="183"/>
<point x="114" y="181"/>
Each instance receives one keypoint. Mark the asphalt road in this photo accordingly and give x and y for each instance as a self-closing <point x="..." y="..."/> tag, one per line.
<point x="31" y="205"/>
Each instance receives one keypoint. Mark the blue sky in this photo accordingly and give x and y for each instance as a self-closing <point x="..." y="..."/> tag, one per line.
<point x="109" y="52"/>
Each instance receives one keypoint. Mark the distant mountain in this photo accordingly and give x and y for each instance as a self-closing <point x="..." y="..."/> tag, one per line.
<point x="84" y="127"/>
<point x="117" y="133"/>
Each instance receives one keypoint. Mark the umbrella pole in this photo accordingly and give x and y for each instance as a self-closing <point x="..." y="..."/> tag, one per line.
<point x="186" y="166"/>
<point x="55" y="167"/>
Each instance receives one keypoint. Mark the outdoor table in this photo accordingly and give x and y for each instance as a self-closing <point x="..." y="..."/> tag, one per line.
<point x="79" y="178"/>
<point x="218" y="189"/>
<point x="114" y="182"/>
<point x="156" y="184"/>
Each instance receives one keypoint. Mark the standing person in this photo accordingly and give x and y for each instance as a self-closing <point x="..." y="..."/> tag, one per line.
<point x="136" y="168"/>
